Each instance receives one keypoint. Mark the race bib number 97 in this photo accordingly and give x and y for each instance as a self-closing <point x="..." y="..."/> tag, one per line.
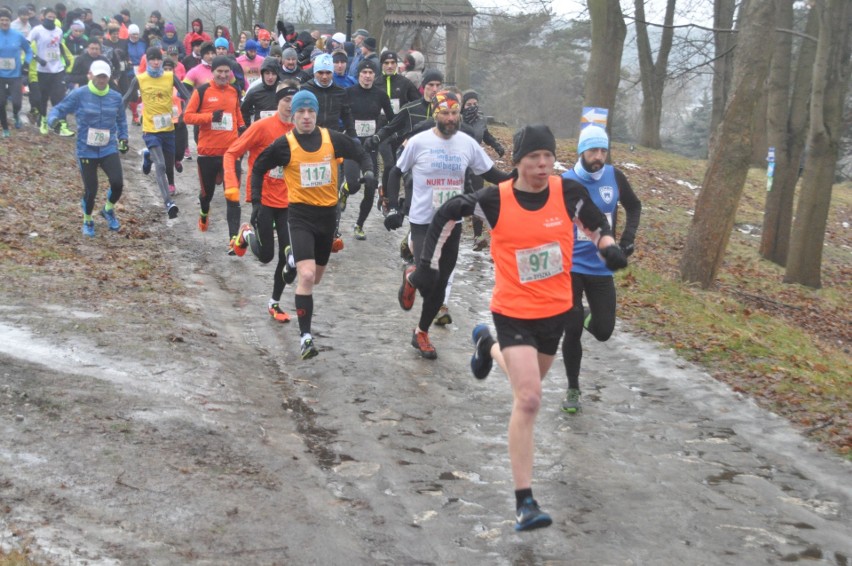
<point x="315" y="174"/>
<point x="536" y="264"/>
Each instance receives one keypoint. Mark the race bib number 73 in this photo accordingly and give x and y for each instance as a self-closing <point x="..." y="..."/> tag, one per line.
<point x="535" y="264"/>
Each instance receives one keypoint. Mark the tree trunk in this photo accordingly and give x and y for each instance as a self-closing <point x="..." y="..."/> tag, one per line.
<point x="830" y="79"/>
<point x="723" y="66"/>
<point x="366" y="14"/>
<point x="653" y="74"/>
<point x="727" y="167"/>
<point x="759" y="140"/>
<point x="786" y="125"/>
<point x="608" y="33"/>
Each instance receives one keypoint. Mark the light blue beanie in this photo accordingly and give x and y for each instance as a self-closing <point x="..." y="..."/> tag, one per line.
<point x="304" y="99"/>
<point x="592" y="137"/>
<point x="221" y="42"/>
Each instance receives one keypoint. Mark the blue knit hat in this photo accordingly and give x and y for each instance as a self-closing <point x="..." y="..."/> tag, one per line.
<point x="304" y="99"/>
<point x="251" y="45"/>
<point x="221" y="42"/>
<point x="324" y="63"/>
<point x="592" y="137"/>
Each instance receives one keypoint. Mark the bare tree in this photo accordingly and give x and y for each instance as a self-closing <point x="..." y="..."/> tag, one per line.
<point x="727" y="167"/>
<point x="366" y="14"/>
<point x="830" y="80"/>
<point x="608" y="33"/>
<point x="787" y="120"/>
<point x="653" y="74"/>
<point x="723" y="19"/>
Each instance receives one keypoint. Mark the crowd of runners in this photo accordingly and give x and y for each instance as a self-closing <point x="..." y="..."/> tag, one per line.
<point x="317" y="116"/>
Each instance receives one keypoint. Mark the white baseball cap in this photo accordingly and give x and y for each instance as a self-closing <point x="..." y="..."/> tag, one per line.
<point x="100" y="68"/>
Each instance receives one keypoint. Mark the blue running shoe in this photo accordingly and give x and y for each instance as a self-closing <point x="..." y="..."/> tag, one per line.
<point x="7" y="134"/>
<point x="89" y="228"/>
<point x="530" y="517"/>
<point x="112" y="221"/>
<point x="481" y="360"/>
<point x="146" y="162"/>
<point x="18" y="123"/>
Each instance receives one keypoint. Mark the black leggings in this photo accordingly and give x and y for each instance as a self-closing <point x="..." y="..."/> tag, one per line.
<point x="10" y="89"/>
<point x="111" y="165"/>
<point x="52" y="88"/>
<point x="270" y="221"/>
<point x="210" y="173"/>
<point x="352" y="172"/>
<point x="600" y="294"/>
<point x="181" y="143"/>
<point x="472" y="184"/>
<point x="447" y="262"/>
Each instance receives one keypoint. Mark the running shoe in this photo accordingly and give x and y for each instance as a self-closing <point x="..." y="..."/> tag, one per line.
<point x="64" y="130"/>
<point x="480" y="243"/>
<point x="343" y="196"/>
<point x="529" y="516"/>
<point x="308" y="350"/>
<point x="187" y="154"/>
<point x="42" y="126"/>
<point x="18" y="123"/>
<point x="146" y="162"/>
<point x="172" y="210"/>
<point x="337" y="244"/>
<point x="112" y="221"/>
<point x="7" y="134"/>
<point x="289" y="271"/>
<point x="405" y="251"/>
<point x="571" y="404"/>
<point x="407" y="292"/>
<point x="242" y="244"/>
<point x="421" y="343"/>
<point x="232" y="246"/>
<point x="481" y="360"/>
<point x="178" y="166"/>
<point x="172" y="190"/>
<point x="276" y="313"/>
<point x="359" y="233"/>
<point x="443" y="317"/>
<point x="89" y="228"/>
<point x="202" y="222"/>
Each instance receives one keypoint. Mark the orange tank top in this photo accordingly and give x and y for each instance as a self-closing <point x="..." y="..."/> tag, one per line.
<point x="312" y="176"/>
<point x="532" y="256"/>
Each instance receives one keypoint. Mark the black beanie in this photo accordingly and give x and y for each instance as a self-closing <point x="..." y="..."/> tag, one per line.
<point x="468" y="95"/>
<point x="430" y="76"/>
<point x="153" y="53"/>
<point x="219" y="61"/>
<point x="532" y="138"/>
<point x="367" y="64"/>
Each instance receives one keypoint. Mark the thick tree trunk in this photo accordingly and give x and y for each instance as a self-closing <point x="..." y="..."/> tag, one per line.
<point x="653" y="74"/>
<point x="608" y="33"/>
<point x="830" y="80"/>
<point x="723" y="66"/>
<point x="727" y="167"/>
<point x="786" y="124"/>
<point x="366" y="14"/>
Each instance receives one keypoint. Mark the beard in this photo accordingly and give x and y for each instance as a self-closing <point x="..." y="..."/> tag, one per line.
<point x="447" y="128"/>
<point x="592" y="166"/>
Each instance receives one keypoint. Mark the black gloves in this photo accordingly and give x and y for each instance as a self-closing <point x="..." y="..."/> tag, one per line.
<point x="241" y="130"/>
<point x="40" y="61"/>
<point x="614" y="258"/>
<point x="393" y="220"/>
<point x="279" y="25"/>
<point x="122" y="146"/>
<point x="626" y="249"/>
<point x="217" y="115"/>
<point x="424" y="278"/>
<point x="501" y="151"/>
<point x="371" y="143"/>
<point x="255" y="210"/>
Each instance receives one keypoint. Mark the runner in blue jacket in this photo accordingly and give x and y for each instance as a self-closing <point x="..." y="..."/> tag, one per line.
<point x="12" y="43"/>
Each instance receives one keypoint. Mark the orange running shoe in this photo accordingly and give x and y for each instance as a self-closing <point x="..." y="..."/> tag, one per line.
<point x="420" y="341"/>
<point x="407" y="292"/>
<point x="202" y="222"/>
<point x="279" y="315"/>
<point x="241" y="245"/>
<point x="337" y="245"/>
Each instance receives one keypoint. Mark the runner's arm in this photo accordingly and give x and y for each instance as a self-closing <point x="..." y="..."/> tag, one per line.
<point x="183" y="92"/>
<point x="632" y="207"/>
<point x="349" y="148"/>
<point x="130" y="93"/>
<point x="276" y="155"/>
<point x="585" y="213"/>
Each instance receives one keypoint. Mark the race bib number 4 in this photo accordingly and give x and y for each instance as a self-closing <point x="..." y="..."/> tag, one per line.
<point x="315" y="174"/>
<point x="7" y="64"/>
<point x="365" y="128"/>
<point x="535" y="264"/>
<point x="440" y="196"/>
<point x="97" y="137"/>
<point x="162" y="121"/>
<point x="226" y="124"/>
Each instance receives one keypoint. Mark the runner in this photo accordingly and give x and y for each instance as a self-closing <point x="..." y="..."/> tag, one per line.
<point x="438" y="159"/>
<point x="271" y="214"/>
<point x="532" y="237"/>
<point x="52" y="57"/>
<point x="589" y="275"/>
<point x="366" y="102"/>
<point x="309" y="156"/>
<point x="12" y="44"/>
<point x="261" y="100"/>
<point x="158" y="130"/>
<point x="102" y="129"/>
<point x="215" y="109"/>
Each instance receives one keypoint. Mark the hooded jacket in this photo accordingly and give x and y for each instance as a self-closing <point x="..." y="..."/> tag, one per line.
<point x="305" y="44"/>
<point x="174" y="41"/>
<point x="334" y="112"/>
<point x="415" y="75"/>
<point x="261" y="98"/>
<point x="192" y="36"/>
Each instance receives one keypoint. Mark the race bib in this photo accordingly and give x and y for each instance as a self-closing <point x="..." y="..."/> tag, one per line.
<point x="440" y="196"/>
<point x="581" y="236"/>
<point x="539" y="263"/>
<point x="395" y="105"/>
<point x="7" y="64"/>
<point x="315" y="174"/>
<point x="253" y="73"/>
<point x="276" y="173"/>
<point x="175" y="111"/>
<point x="267" y="113"/>
<point x="162" y="121"/>
<point x="51" y="54"/>
<point x="226" y="124"/>
<point x="365" y="128"/>
<point x="97" y="137"/>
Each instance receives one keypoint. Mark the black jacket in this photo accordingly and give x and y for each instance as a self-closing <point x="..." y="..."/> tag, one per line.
<point x="334" y="112"/>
